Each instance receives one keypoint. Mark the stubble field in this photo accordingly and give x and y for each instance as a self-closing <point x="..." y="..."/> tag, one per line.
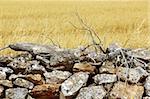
<point x="125" y="22"/>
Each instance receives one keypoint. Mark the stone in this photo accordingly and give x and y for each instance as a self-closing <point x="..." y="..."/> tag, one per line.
<point x="85" y="67"/>
<point x="64" y="58"/>
<point x="6" y="83"/>
<point x="5" y="60"/>
<point x="2" y="75"/>
<point x="93" y="92"/>
<point x="56" y="76"/>
<point x="147" y="86"/>
<point x="107" y="67"/>
<point x="122" y="90"/>
<point x="147" y="97"/>
<point x="104" y="78"/>
<point x="46" y="91"/>
<point x="35" y="67"/>
<point x="14" y="76"/>
<point x="1" y="90"/>
<point x="108" y="86"/>
<point x="43" y="60"/>
<point x="35" y="78"/>
<point x="141" y="53"/>
<point x="18" y="64"/>
<point x="23" y="83"/>
<point x="29" y="97"/>
<point x="135" y="74"/>
<point x="16" y="93"/>
<point x="72" y="85"/>
<point x="6" y="70"/>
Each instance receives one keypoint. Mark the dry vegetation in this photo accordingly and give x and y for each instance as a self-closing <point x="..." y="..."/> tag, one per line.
<point x="125" y="22"/>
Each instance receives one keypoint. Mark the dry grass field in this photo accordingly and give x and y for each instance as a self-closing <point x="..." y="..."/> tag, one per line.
<point x="125" y="22"/>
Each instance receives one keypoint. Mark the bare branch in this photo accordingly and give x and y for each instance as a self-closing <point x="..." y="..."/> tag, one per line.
<point x="4" y="48"/>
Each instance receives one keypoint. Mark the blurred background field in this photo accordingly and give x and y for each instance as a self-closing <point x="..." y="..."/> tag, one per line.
<point x="122" y="21"/>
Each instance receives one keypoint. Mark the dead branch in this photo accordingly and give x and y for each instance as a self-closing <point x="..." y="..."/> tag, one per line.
<point x="4" y="48"/>
<point x="91" y="32"/>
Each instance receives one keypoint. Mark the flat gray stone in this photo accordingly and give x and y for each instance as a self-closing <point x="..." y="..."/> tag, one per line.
<point x="56" y="76"/>
<point x="93" y="92"/>
<point x="16" y="93"/>
<point x="104" y="78"/>
<point x="135" y="74"/>
<point x="72" y="85"/>
<point x="23" y="83"/>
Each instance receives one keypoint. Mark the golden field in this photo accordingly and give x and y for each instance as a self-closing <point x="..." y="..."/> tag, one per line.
<point x="122" y="21"/>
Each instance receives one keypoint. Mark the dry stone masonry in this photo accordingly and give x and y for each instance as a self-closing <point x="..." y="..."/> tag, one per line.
<point x="50" y="72"/>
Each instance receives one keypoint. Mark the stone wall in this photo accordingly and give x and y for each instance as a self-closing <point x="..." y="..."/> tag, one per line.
<point x="50" y="72"/>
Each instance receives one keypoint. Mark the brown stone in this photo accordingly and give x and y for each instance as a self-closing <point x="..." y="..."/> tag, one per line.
<point x="85" y="67"/>
<point x="6" y="83"/>
<point x="35" y="78"/>
<point x="46" y="91"/>
<point x="107" y="67"/>
<point x="122" y="90"/>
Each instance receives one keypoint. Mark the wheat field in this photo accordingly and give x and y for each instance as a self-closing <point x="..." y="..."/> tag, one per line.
<point x="40" y="21"/>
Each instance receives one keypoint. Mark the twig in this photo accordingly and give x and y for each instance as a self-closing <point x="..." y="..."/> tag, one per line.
<point x="4" y="48"/>
<point x="90" y="30"/>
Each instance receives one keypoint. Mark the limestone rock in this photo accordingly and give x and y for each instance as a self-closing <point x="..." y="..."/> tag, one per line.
<point x="29" y="97"/>
<point x="64" y="58"/>
<point x="35" y="67"/>
<point x="35" y="78"/>
<point x="2" y="75"/>
<point x="147" y="86"/>
<point x="93" y="92"/>
<point x="6" y="70"/>
<point x="122" y="90"/>
<point x="56" y="76"/>
<point x="108" y="86"/>
<point x="107" y="67"/>
<point x="85" y="67"/>
<point x="23" y="83"/>
<point x="14" y="76"/>
<point x="45" y="91"/>
<point x="147" y="97"/>
<point x="135" y="74"/>
<point x="72" y="85"/>
<point x="18" y="64"/>
<point x="6" y="83"/>
<point x="16" y="93"/>
<point x="1" y="90"/>
<point x="104" y="78"/>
